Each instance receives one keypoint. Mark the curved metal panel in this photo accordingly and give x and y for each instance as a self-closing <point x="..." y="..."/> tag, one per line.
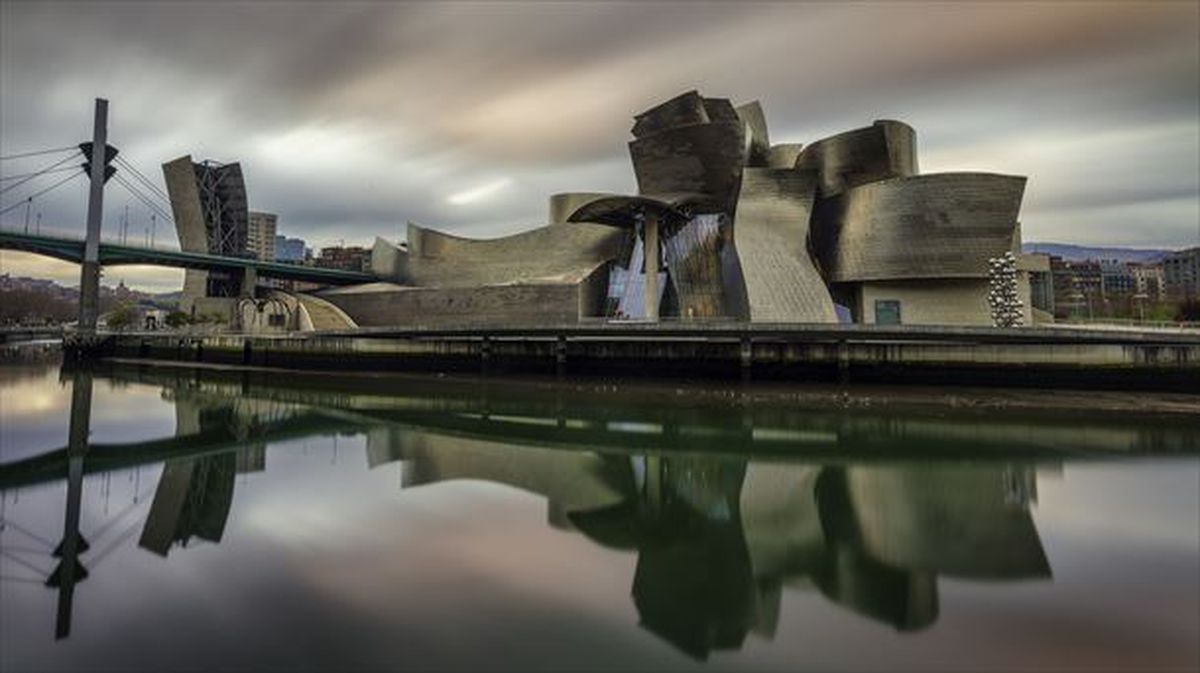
<point x="770" y="234"/>
<point x="686" y="108"/>
<point x="784" y="155"/>
<point x="886" y="149"/>
<point x="556" y="254"/>
<point x="929" y="226"/>
<point x="703" y="158"/>
<point x="387" y="304"/>
<point x="756" y="124"/>
<point x="389" y="261"/>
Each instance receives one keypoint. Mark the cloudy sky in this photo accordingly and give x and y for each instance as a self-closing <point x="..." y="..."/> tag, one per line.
<point x="350" y="119"/>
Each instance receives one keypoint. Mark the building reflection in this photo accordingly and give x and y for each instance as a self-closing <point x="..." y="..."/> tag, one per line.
<point x="719" y="536"/>
<point x="194" y="494"/>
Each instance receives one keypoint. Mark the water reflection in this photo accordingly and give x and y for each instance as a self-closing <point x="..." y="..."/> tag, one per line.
<point x="717" y="538"/>
<point x="723" y="509"/>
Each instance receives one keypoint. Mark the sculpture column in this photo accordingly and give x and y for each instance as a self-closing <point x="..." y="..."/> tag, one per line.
<point x="650" y="239"/>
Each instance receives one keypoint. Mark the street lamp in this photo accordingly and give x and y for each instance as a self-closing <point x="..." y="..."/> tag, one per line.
<point x="1140" y="298"/>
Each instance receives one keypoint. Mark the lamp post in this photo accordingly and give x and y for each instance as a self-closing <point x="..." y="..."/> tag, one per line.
<point x="1141" y="298"/>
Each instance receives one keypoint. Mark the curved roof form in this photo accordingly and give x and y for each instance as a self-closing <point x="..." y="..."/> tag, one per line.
<point x="546" y="254"/>
<point x="784" y="155"/>
<point x="621" y="210"/>
<point x="886" y="149"/>
<point x="771" y="235"/>
<point x="939" y="225"/>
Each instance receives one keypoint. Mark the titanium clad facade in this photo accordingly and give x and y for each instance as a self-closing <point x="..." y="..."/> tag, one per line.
<point x="784" y="156"/>
<point x="683" y="110"/>
<point x="771" y="236"/>
<point x="700" y="158"/>
<point x="844" y="228"/>
<point x="942" y="225"/>
<point x="389" y="261"/>
<point x="554" y="273"/>
<point x="565" y="253"/>
<point x="752" y="116"/>
<point x="886" y="149"/>
<point x="386" y="304"/>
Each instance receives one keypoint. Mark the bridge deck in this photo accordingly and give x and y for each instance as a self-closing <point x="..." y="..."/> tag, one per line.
<point x="113" y="254"/>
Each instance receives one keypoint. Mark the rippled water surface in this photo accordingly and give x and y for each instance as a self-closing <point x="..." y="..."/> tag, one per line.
<point x="228" y="521"/>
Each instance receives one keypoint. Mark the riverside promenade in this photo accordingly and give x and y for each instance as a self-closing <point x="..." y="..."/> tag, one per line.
<point x="1165" y="360"/>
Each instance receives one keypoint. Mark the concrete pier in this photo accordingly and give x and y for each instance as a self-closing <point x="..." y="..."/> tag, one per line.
<point x="1022" y="357"/>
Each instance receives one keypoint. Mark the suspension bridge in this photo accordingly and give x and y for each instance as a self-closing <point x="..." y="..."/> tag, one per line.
<point x="96" y="161"/>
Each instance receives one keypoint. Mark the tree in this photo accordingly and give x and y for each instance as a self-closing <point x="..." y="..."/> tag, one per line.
<point x="123" y="317"/>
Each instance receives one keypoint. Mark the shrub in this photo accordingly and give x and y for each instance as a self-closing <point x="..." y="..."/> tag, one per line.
<point x="177" y="319"/>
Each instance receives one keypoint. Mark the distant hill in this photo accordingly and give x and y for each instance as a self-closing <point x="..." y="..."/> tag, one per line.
<point x="1079" y="253"/>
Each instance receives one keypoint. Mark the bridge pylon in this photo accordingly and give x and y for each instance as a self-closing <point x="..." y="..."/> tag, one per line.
<point x="99" y="154"/>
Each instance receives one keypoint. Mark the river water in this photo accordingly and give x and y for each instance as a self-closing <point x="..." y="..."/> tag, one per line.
<point x="236" y="521"/>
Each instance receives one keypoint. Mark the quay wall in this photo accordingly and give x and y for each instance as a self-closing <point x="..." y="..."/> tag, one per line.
<point x="1067" y="361"/>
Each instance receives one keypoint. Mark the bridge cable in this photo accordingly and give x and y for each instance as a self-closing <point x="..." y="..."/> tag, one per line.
<point x="27" y="175"/>
<point x="37" y="173"/>
<point x="154" y="208"/>
<point x="34" y="196"/>
<point x="144" y="180"/>
<point x="136" y="191"/>
<point x="34" y="154"/>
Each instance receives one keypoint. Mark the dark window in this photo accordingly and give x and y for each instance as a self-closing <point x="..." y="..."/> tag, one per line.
<point x="887" y="312"/>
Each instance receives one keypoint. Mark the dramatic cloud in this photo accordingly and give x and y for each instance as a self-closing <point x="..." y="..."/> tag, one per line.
<point x="350" y="119"/>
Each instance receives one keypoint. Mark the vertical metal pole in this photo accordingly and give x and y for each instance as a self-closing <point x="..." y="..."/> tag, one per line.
<point x="89" y="281"/>
<point x="650" y="234"/>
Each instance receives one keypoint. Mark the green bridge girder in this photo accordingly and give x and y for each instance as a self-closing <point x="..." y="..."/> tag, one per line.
<point x="112" y="254"/>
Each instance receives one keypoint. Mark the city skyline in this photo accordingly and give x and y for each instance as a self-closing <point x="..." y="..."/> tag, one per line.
<point x="411" y="120"/>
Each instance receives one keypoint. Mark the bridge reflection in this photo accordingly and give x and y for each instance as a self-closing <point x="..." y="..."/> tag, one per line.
<point x="724" y="510"/>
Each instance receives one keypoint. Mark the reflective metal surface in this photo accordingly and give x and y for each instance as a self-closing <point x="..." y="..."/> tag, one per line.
<point x="939" y="225"/>
<point x="771" y="234"/>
